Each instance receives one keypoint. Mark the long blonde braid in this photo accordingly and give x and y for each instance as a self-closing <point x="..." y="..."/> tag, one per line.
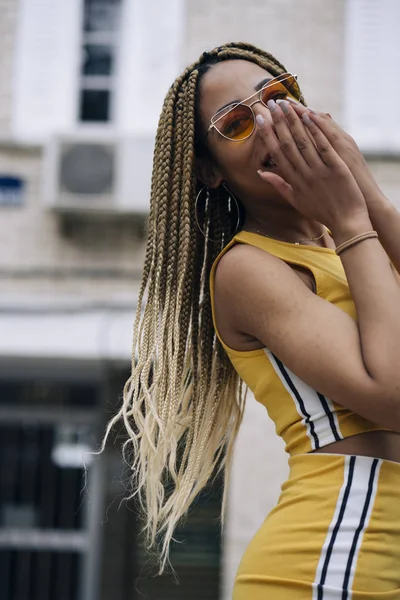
<point x="184" y="402"/>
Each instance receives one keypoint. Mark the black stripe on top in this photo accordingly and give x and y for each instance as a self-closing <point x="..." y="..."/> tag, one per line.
<point x="336" y="528"/>
<point x="359" y="529"/>
<point x="299" y="399"/>
<point x="329" y="414"/>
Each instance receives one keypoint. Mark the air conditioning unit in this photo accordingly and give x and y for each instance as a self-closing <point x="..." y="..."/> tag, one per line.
<point x="107" y="174"/>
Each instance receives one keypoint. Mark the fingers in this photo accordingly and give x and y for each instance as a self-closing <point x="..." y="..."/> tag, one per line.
<point x="343" y="143"/>
<point x="298" y="106"/>
<point x="328" y="125"/>
<point x="280" y="185"/>
<point x="274" y="147"/>
<point x="337" y="137"/>
<point x="313" y="121"/>
<point x="327" y="134"/>
<point x="288" y="146"/>
<point x="300" y="109"/>
<point x="291" y="147"/>
<point x="290" y="127"/>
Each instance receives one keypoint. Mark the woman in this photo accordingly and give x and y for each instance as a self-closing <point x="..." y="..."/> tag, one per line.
<point x="306" y="316"/>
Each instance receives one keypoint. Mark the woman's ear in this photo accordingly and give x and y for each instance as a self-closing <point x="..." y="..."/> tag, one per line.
<point x="207" y="173"/>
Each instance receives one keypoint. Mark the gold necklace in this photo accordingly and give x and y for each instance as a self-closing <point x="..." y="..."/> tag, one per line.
<point x="311" y="239"/>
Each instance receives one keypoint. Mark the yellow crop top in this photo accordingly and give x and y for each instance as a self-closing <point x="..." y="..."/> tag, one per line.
<point x="304" y="418"/>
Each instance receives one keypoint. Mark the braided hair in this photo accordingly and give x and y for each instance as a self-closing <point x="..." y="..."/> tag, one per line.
<point x="183" y="402"/>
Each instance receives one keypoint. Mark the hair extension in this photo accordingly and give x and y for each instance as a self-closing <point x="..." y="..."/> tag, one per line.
<point x="183" y="402"/>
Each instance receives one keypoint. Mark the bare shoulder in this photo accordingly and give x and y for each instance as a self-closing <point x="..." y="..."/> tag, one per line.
<point x="240" y="256"/>
<point x="245" y="268"/>
<point x="262" y="303"/>
<point x="247" y="279"/>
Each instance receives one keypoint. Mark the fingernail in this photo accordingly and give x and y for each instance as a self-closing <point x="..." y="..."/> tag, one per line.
<point x="306" y="119"/>
<point x="284" y="105"/>
<point x="312" y="110"/>
<point x="291" y="100"/>
<point x="271" y="105"/>
<point x="260" y="120"/>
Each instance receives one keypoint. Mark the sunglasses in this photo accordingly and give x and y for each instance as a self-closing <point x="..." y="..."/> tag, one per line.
<point x="237" y="121"/>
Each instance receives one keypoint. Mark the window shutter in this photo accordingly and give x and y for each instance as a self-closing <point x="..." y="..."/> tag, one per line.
<point x="47" y="56"/>
<point x="372" y="82"/>
<point x="150" y="57"/>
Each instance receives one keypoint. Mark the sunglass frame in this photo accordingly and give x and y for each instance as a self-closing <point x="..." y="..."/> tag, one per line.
<point x="227" y="109"/>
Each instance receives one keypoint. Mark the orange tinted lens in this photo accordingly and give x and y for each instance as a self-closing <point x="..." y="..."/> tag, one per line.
<point x="291" y="85"/>
<point x="237" y="124"/>
<point x="281" y="88"/>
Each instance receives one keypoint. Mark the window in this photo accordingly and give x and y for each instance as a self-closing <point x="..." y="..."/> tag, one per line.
<point x="46" y="537"/>
<point x="372" y="85"/>
<point x="101" y="27"/>
<point x="95" y="63"/>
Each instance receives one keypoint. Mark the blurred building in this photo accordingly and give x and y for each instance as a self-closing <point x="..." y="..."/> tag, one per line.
<point x="81" y="86"/>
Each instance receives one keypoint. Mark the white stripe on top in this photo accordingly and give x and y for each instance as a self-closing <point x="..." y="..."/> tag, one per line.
<point x="318" y="412"/>
<point x="338" y="560"/>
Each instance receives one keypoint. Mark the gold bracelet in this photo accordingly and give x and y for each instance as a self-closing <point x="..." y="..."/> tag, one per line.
<point x="355" y="240"/>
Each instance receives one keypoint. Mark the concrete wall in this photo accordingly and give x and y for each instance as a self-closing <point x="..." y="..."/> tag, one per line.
<point x="8" y="17"/>
<point x="306" y="36"/>
<point x="41" y="253"/>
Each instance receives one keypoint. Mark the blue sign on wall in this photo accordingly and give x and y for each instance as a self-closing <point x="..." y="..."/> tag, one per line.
<point x="11" y="191"/>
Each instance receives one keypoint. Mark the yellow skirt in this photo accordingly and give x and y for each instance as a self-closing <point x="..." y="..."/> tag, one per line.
<point x="334" y="534"/>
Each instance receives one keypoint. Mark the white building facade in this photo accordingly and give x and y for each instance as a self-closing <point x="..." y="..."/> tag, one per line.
<point x="82" y="83"/>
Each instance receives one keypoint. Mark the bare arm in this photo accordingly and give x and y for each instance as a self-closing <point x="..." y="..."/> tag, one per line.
<point x="376" y="296"/>
<point x="385" y="219"/>
<point x="354" y="365"/>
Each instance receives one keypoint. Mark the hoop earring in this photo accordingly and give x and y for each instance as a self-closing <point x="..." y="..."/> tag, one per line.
<point x="195" y="211"/>
<point x="231" y="195"/>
